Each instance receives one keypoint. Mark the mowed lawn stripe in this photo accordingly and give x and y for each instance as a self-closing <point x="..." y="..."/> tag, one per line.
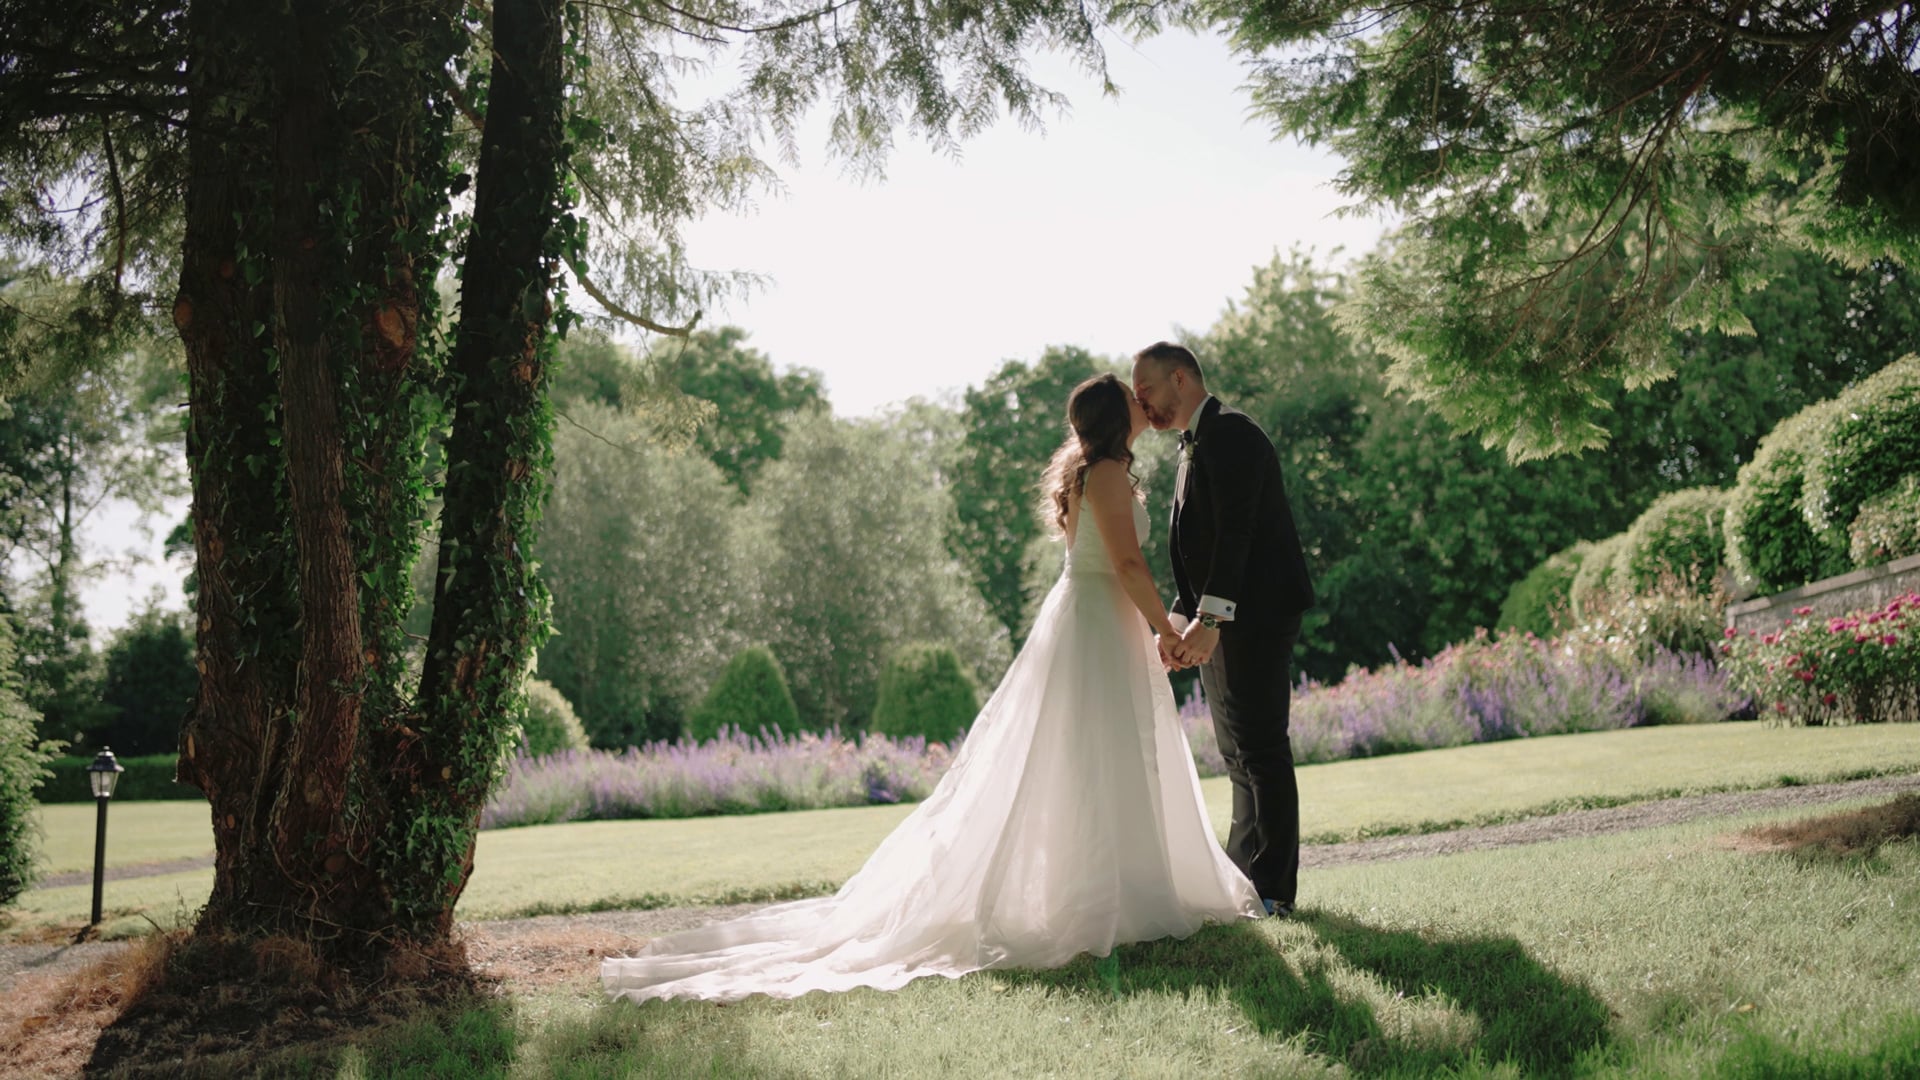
<point x="607" y="863"/>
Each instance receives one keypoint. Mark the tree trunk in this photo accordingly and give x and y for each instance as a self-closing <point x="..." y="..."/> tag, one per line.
<point x="489" y="608"/>
<point x="345" y="807"/>
<point x="232" y="745"/>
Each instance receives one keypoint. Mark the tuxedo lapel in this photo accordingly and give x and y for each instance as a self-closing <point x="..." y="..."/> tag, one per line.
<point x="1189" y="455"/>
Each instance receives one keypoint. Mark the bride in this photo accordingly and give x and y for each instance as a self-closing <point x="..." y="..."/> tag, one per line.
<point x="1070" y="821"/>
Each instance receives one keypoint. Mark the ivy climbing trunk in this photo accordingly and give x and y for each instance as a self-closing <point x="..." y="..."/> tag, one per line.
<point x="345" y="797"/>
<point x="489" y="609"/>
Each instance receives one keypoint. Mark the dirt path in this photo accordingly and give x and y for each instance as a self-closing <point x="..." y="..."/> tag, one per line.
<point x="551" y="950"/>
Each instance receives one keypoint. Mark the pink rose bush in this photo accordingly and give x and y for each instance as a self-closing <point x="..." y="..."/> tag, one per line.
<point x="1862" y="667"/>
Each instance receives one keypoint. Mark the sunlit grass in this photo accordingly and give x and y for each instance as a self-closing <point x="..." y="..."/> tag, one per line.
<point x="137" y="832"/>
<point x="1657" y="953"/>
<point x="609" y="864"/>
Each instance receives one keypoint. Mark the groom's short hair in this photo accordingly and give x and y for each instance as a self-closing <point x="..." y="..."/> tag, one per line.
<point x="1169" y="355"/>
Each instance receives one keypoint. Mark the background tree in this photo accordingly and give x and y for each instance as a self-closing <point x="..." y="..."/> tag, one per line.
<point x="87" y="433"/>
<point x="303" y="160"/>
<point x="1415" y="536"/>
<point x="751" y="405"/>
<point x="148" y="683"/>
<point x="638" y="549"/>
<point x="848" y="534"/>
<point x="1011" y="424"/>
<point x="1577" y="179"/>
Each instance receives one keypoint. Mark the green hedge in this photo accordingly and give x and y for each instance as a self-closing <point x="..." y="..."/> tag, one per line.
<point x="751" y="694"/>
<point x="1680" y="534"/>
<point x="924" y="691"/>
<point x="1539" y="603"/>
<point x="1771" y="547"/>
<point x="1887" y="526"/>
<point x="145" y="778"/>
<point x="1870" y="444"/>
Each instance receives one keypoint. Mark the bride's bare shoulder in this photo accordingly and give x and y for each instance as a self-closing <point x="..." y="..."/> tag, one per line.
<point x="1106" y="474"/>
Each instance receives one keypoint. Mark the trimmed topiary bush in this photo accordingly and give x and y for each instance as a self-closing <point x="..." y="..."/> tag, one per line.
<point x="1542" y="602"/>
<point x="1770" y="545"/>
<point x="1681" y="535"/>
<point x="550" y="724"/>
<point x="924" y="691"/>
<point x="1594" y="577"/>
<point x="1869" y="445"/>
<point x="23" y="765"/>
<point x="751" y="694"/>
<point x="1888" y="525"/>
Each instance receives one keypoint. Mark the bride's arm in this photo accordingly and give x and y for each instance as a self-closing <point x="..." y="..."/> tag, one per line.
<point x="1110" y="498"/>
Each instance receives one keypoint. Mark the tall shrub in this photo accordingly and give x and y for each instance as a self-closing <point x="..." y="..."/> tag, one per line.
<point x="1871" y="442"/>
<point x="924" y="691"/>
<point x="1540" y="602"/>
<point x="1888" y="525"/>
<point x="751" y="695"/>
<point x="23" y="765"/>
<point x="1770" y="545"/>
<point x="1680" y="534"/>
<point x="550" y="724"/>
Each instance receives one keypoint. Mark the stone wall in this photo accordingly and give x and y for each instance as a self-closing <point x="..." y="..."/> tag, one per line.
<point x="1829" y="597"/>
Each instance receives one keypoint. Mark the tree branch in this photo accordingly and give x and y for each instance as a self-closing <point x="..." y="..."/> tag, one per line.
<point x="119" y="204"/>
<point x="579" y="269"/>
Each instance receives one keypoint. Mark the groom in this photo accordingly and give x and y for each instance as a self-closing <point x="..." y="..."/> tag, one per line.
<point x="1243" y="586"/>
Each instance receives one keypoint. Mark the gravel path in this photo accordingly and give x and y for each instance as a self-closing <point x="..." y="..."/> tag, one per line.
<point x="553" y="949"/>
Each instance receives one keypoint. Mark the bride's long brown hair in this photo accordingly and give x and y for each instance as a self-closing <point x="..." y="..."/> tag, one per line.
<point x="1099" y="420"/>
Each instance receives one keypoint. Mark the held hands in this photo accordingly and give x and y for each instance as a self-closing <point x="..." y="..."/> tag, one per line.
<point x="1197" y="644"/>
<point x="1186" y="646"/>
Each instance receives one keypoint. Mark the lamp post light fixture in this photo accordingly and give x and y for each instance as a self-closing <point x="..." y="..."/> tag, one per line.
<point x="104" y="773"/>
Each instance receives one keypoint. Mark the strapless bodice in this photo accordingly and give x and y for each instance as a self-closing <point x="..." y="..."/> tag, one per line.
<point x="1087" y="554"/>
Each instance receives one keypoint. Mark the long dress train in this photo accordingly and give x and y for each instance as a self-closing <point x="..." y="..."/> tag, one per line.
<point x="1070" y="821"/>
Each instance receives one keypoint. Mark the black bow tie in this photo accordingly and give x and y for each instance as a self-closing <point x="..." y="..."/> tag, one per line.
<point x="1186" y="438"/>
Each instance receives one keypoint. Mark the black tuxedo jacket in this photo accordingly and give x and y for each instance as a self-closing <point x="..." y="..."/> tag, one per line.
<point x="1233" y="535"/>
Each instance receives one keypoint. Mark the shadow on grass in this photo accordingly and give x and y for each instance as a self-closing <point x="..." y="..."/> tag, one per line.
<point x="1528" y="1015"/>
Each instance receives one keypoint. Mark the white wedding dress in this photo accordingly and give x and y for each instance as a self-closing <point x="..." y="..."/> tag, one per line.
<point x="1070" y="821"/>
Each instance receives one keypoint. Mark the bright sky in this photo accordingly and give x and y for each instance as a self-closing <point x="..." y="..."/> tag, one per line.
<point x="1126" y="221"/>
<point x="1129" y="220"/>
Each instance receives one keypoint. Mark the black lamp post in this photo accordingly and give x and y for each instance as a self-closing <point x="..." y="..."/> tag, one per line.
<point x="104" y="773"/>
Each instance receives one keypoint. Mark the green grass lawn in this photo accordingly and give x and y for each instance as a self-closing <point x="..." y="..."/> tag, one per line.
<point x="588" y="865"/>
<point x="1662" y="953"/>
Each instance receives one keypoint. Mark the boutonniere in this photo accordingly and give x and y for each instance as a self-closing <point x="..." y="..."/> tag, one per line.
<point x="1187" y="443"/>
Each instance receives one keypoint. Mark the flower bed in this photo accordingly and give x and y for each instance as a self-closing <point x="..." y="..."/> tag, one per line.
<point x="1861" y="667"/>
<point x="1480" y="691"/>
<point x="734" y="773"/>
<point x="1490" y="689"/>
